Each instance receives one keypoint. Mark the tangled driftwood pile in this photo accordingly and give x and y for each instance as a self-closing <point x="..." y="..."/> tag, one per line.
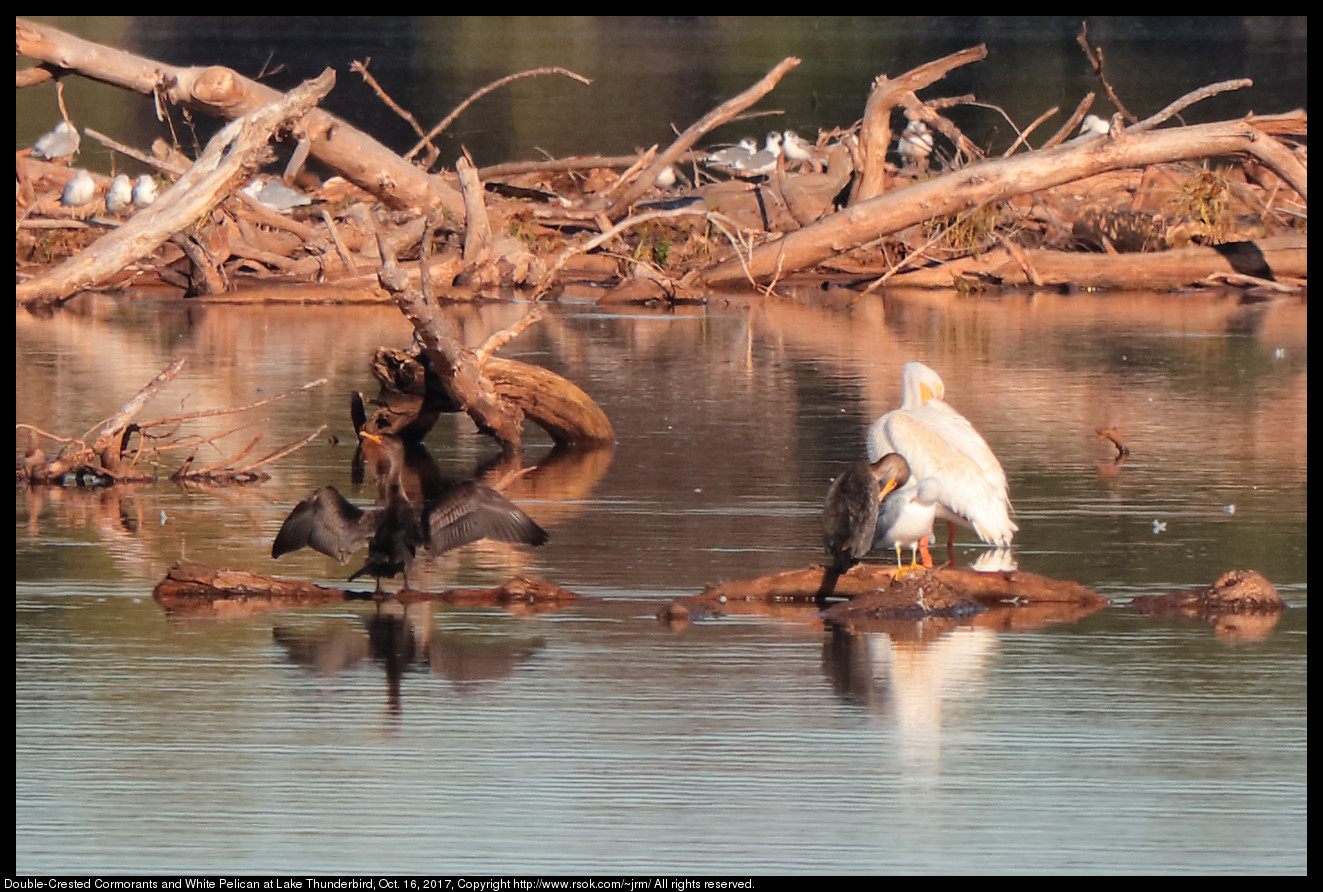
<point x="1138" y="205"/>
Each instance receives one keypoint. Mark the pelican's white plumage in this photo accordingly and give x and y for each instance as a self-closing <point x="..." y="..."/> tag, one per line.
<point x="938" y="442"/>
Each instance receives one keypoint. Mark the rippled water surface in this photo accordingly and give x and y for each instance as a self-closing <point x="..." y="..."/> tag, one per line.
<point x="595" y="738"/>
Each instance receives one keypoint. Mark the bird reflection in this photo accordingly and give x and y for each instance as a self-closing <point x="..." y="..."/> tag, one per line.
<point x="399" y="639"/>
<point x="396" y="531"/>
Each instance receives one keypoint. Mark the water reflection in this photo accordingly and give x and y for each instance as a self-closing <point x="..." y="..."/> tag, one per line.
<point x="731" y="419"/>
<point x="909" y="673"/>
<point x="399" y="639"/>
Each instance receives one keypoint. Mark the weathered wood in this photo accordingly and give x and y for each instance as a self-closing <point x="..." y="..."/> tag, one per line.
<point x="226" y="94"/>
<point x="886" y="94"/>
<point x="231" y="155"/>
<point x="878" y="591"/>
<point x="192" y="589"/>
<point x="1279" y="257"/>
<point x="999" y="179"/>
<point x="686" y="140"/>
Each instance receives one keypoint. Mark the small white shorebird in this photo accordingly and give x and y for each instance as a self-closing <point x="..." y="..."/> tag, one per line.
<point x="119" y="197"/>
<point x="795" y="148"/>
<point x="732" y="155"/>
<point x="1093" y="126"/>
<point x="272" y="193"/>
<point x="78" y="191"/>
<point x="940" y="443"/>
<point x="763" y="161"/>
<point x="61" y="142"/>
<point x="906" y="518"/>
<point x="144" y="191"/>
<point x="915" y="144"/>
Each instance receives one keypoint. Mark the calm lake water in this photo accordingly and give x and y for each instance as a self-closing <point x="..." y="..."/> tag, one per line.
<point x="596" y="739"/>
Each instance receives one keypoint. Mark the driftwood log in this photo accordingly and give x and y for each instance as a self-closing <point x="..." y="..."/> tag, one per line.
<point x="497" y="394"/>
<point x="191" y="590"/>
<point x="224" y="93"/>
<point x="1000" y="179"/>
<point x="850" y="210"/>
<point x="875" y="591"/>
<point x="1240" y="605"/>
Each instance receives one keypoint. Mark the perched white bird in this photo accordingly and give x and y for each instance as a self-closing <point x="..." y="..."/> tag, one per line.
<point x="119" y="197"/>
<point x="940" y="443"/>
<point x="61" y="142"/>
<point x="78" y="191"/>
<point x="795" y="148"/>
<point x="731" y="155"/>
<point x="764" y="160"/>
<point x="906" y="518"/>
<point x="144" y="191"/>
<point x="1093" y="126"/>
<point x="275" y="194"/>
<point x="915" y="144"/>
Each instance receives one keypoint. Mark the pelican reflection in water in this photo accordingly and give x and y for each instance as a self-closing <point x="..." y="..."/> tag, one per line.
<point x="951" y="465"/>
<point x="397" y="530"/>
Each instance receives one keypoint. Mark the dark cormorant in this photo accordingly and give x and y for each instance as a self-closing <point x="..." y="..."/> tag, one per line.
<point x="849" y="518"/>
<point x="395" y="532"/>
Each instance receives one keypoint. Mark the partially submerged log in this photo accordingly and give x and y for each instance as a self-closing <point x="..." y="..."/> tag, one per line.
<point x="1240" y="605"/>
<point x="191" y="589"/>
<point x="497" y="394"/>
<point x="875" y="591"/>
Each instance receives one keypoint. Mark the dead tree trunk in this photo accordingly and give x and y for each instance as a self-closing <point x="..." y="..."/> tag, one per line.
<point x="1003" y="178"/>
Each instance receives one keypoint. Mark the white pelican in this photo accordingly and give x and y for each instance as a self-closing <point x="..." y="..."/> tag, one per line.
<point x="849" y="517"/>
<point x="119" y="197"/>
<point x="940" y="443"/>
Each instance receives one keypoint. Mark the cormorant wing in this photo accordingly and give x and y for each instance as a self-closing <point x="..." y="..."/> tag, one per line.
<point x="326" y="522"/>
<point x="471" y="511"/>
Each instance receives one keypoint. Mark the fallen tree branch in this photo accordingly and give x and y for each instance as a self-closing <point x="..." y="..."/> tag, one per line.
<point x="230" y="156"/>
<point x="999" y="179"/>
<point x="226" y="94"/>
